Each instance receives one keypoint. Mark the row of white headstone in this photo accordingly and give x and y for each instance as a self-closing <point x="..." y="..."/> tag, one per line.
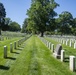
<point x="62" y="56"/>
<point x="3" y="38"/>
<point x="16" y="44"/>
<point x="67" y="42"/>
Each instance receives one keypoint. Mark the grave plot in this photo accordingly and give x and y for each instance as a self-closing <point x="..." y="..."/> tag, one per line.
<point x="36" y="59"/>
<point x="59" y="53"/>
<point x="6" y="46"/>
<point x="71" y="42"/>
<point x="69" y="50"/>
<point x="67" y="53"/>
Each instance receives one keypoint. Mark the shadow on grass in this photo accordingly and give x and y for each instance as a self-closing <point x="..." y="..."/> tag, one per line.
<point x="66" y="59"/>
<point x="75" y="70"/>
<point x="16" y="52"/>
<point x="22" y="47"/>
<point x="4" y="67"/>
<point x="11" y="58"/>
<point x="19" y="48"/>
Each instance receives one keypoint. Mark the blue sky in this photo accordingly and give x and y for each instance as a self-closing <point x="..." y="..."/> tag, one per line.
<point x="16" y="9"/>
<point x="66" y="5"/>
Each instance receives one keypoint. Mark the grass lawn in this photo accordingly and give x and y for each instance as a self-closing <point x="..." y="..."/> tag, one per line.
<point x="34" y="59"/>
<point x="7" y="43"/>
<point x="68" y="50"/>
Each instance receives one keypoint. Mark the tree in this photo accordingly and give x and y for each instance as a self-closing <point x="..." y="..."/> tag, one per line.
<point x="32" y="26"/>
<point x="64" y="22"/>
<point x="2" y="16"/>
<point x="41" y="15"/>
<point x="74" y="26"/>
<point x="14" y="26"/>
<point x="6" y="25"/>
<point x="24" y="26"/>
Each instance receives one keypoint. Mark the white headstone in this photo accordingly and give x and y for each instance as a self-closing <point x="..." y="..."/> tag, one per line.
<point x="52" y="47"/>
<point x="15" y="45"/>
<point x="75" y="41"/>
<point x="66" y="42"/>
<point x="72" y="63"/>
<point x="63" y="41"/>
<point x="74" y="45"/>
<point x="11" y="47"/>
<point x="70" y="44"/>
<point x="62" y="55"/>
<point x="5" y="51"/>
<point x="49" y="45"/>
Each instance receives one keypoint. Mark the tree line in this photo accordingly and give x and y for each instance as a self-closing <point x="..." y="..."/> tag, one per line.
<point x="42" y="18"/>
<point x="7" y="23"/>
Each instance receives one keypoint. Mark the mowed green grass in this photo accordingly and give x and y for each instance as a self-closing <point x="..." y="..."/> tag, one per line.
<point x="7" y="43"/>
<point x="68" y="50"/>
<point x="35" y="59"/>
<point x="5" y="62"/>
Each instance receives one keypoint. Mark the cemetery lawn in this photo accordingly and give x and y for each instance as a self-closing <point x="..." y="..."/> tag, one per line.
<point x="68" y="50"/>
<point x="34" y="59"/>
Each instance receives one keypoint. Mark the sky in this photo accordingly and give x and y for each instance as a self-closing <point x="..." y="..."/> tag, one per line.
<point x="17" y="9"/>
<point x="66" y="5"/>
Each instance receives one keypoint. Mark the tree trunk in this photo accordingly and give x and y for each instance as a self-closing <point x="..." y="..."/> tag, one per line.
<point x="0" y="31"/>
<point x="42" y="34"/>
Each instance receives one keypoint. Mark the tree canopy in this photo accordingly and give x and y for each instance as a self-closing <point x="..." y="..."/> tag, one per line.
<point x="24" y="26"/>
<point x="6" y="25"/>
<point x="2" y="16"/>
<point x="64" y="22"/>
<point x="14" y="26"/>
<point x="41" y="18"/>
<point x="41" y="15"/>
<point x="2" y="11"/>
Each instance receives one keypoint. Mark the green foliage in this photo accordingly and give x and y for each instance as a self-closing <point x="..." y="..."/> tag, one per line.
<point x="2" y="11"/>
<point x="8" y="21"/>
<point x="6" y="25"/>
<point x="2" y="16"/>
<point x="14" y="26"/>
<point x="34" y="59"/>
<point x="25" y="23"/>
<point x="73" y="27"/>
<point x="32" y="26"/>
<point x="64" y="22"/>
<point x="47" y="33"/>
<point x="41" y="15"/>
<point x="74" y="31"/>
